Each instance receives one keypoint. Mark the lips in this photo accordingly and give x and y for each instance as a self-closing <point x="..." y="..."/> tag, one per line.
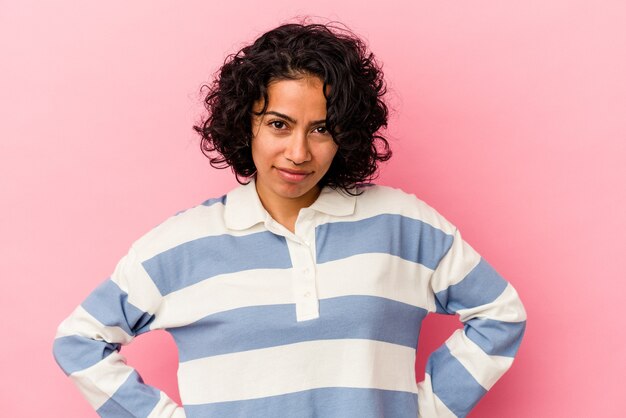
<point x="292" y="175"/>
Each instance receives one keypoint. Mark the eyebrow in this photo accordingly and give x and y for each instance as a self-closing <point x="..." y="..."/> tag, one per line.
<point x="292" y="120"/>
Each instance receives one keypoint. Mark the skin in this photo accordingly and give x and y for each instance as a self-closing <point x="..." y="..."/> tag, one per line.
<point x="291" y="148"/>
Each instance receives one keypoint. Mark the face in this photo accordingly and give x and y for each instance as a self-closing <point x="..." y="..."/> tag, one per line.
<point x="291" y="148"/>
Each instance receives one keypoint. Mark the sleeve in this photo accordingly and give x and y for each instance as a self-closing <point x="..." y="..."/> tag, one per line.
<point x="87" y="345"/>
<point x="467" y="365"/>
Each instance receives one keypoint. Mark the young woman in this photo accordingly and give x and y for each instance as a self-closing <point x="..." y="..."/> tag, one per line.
<point x="301" y="292"/>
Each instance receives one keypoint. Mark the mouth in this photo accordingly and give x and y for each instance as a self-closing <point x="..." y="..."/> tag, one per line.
<point x="292" y="175"/>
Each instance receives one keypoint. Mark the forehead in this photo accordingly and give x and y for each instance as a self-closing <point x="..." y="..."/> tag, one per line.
<point x="295" y="95"/>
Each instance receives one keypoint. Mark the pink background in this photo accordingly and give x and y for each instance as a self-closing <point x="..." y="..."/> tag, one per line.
<point x="510" y="119"/>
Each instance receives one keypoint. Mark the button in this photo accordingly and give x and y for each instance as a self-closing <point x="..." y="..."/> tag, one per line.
<point x="307" y="243"/>
<point x="307" y="294"/>
<point x="306" y="271"/>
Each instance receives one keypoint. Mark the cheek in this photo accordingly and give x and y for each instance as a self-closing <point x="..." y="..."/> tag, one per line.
<point x="330" y="155"/>
<point x="262" y="152"/>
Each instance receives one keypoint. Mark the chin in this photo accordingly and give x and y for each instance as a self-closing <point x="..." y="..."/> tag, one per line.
<point x="296" y="191"/>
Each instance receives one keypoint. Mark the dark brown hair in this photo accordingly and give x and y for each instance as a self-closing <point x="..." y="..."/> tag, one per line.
<point x="355" y="109"/>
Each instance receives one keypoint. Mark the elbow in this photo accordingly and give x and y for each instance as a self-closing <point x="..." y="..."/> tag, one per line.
<point x="74" y="352"/>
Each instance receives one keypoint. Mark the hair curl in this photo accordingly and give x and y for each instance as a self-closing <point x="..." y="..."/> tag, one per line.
<point x="354" y="105"/>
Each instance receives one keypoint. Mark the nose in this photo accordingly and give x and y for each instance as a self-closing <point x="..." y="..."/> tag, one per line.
<point x="297" y="148"/>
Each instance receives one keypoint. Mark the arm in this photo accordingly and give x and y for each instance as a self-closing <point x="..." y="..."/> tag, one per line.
<point x="467" y="365"/>
<point x="88" y="342"/>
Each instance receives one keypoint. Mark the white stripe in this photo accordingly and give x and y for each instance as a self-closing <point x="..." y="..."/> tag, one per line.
<point x="192" y="224"/>
<point x="100" y="381"/>
<point x="429" y="404"/>
<point x="507" y="307"/>
<point x="296" y="367"/>
<point x="460" y="259"/>
<point x="82" y="323"/>
<point x="484" y="368"/>
<point x="377" y="274"/>
<point x="222" y="293"/>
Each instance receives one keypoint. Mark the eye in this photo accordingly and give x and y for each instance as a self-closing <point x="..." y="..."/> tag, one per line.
<point x="277" y="124"/>
<point x="321" y="130"/>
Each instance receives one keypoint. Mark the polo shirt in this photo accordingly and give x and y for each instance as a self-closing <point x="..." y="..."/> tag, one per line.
<point x="321" y="322"/>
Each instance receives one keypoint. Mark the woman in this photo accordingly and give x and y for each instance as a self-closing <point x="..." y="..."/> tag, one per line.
<point x="301" y="292"/>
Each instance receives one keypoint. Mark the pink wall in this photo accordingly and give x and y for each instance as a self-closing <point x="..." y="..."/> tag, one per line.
<point x="509" y="119"/>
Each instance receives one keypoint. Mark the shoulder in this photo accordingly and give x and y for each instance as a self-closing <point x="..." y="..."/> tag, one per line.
<point x="374" y="192"/>
<point x="206" y="218"/>
<point x="376" y="200"/>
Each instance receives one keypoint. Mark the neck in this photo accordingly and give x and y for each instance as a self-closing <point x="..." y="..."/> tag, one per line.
<point x="285" y="210"/>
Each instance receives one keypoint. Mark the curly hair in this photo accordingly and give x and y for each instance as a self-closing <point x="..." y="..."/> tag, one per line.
<point x="355" y="110"/>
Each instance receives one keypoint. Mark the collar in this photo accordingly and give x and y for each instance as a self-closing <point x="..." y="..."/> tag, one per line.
<point x="243" y="207"/>
<point x="335" y="202"/>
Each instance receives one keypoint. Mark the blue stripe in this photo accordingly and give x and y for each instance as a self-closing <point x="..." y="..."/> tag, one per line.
<point x="109" y="305"/>
<point x="212" y="201"/>
<point x="249" y="328"/>
<point x="407" y="238"/>
<point x="481" y="285"/>
<point x="452" y="383"/>
<point x="496" y="338"/>
<point x="203" y="258"/>
<point x="335" y="402"/>
<point x="74" y="353"/>
<point x="133" y="399"/>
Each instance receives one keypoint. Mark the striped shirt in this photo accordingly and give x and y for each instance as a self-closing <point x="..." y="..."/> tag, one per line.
<point x="322" y="322"/>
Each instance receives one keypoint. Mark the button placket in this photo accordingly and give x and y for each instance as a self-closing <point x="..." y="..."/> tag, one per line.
<point x="303" y="278"/>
